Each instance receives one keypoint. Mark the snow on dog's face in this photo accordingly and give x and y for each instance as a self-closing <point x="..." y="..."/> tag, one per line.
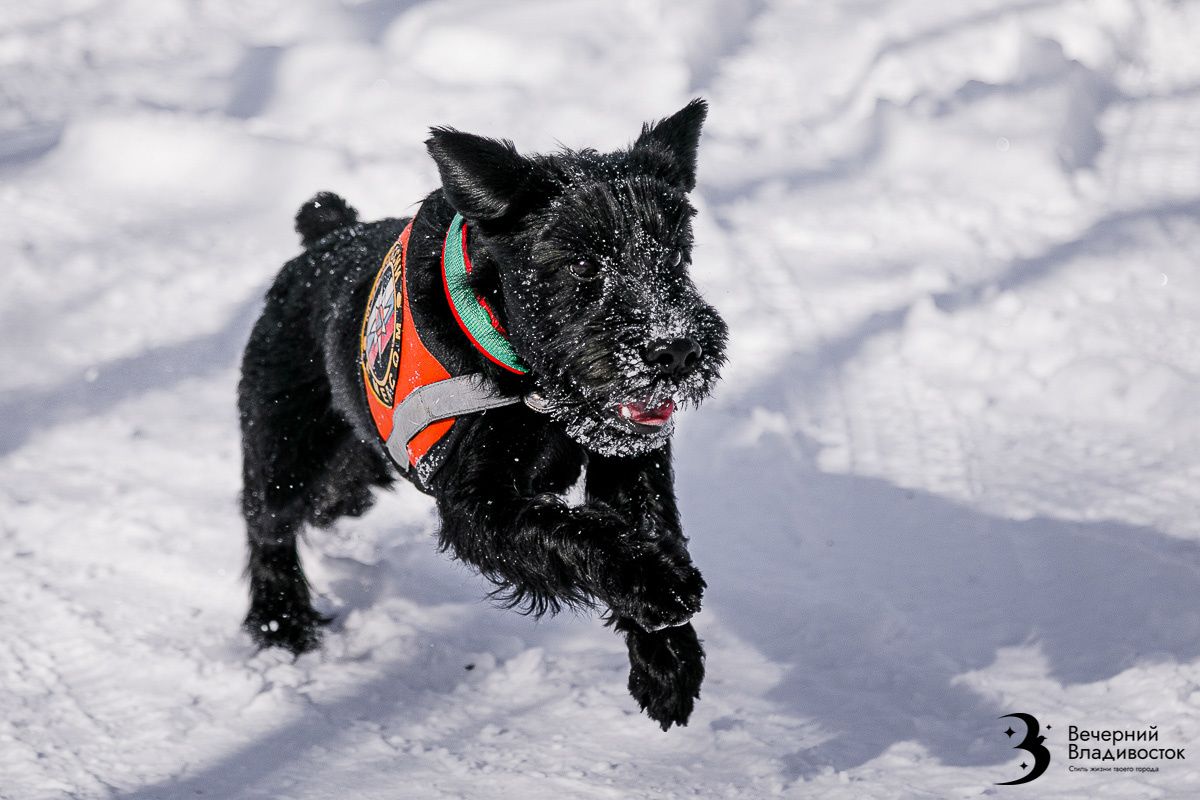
<point x="590" y="252"/>
<point x="616" y="331"/>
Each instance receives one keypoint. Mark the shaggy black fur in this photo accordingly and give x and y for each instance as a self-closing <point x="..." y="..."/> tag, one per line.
<point x="584" y="256"/>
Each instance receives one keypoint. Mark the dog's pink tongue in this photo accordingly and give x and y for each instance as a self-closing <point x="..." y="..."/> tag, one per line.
<point x="639" y="413"/>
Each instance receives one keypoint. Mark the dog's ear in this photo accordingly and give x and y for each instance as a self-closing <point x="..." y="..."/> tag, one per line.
<point x="481" y="177"/>
<point x="677" y="136"/>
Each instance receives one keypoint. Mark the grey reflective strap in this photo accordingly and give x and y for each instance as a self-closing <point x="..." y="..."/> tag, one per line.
<point x="452" y="397"/>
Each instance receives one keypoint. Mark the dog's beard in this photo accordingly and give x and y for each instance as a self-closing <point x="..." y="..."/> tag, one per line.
<point x="593" y="416"/>
<point x="600" y="412"/>
<point x="603" y="430"/>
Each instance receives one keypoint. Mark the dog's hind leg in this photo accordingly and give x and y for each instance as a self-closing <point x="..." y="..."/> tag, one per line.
<point x="289" y="437"/>
<point x="281" y="612"/>
<point x="277" y="501"/>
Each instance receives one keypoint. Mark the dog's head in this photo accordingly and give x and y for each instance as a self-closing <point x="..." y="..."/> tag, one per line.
<point x="587" y="256"/>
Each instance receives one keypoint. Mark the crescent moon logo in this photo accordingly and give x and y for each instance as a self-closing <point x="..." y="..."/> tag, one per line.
<point x="1032" y="744"/>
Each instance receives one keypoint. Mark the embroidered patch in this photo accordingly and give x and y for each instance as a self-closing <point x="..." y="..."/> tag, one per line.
<point x="380" y="336"/>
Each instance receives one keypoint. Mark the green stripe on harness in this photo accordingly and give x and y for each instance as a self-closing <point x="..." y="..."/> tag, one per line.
<point x="471" y="310"/>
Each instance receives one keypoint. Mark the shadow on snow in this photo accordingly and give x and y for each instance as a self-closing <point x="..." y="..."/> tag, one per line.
<point x="876" y="597"/>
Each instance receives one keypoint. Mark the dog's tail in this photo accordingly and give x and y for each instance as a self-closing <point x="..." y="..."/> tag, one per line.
<point x="322" y="215"/>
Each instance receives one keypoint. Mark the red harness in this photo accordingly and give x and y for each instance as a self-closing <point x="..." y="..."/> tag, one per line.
<point x="405" y="361"/>
<point x="413" y="398"/>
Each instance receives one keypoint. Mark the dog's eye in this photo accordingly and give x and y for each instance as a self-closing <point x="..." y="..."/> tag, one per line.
<point x="674" y="258"/>
<point x="584" y="270"/>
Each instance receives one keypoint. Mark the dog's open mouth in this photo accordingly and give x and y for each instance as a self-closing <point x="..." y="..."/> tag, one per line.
<point x="644" y="418"/>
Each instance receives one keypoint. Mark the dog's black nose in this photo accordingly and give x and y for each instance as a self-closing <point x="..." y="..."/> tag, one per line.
<point x="674" y="356"/>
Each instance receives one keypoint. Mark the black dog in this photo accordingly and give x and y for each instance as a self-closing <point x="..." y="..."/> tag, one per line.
<point x="546" y="306"/>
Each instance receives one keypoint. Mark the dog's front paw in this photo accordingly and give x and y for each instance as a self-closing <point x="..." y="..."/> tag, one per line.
<point x="298" y="632"/>
<point x="666" y="669"/>
<point x="656" y="590"/>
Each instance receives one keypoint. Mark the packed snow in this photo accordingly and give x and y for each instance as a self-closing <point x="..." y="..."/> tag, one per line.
<point x="953" y="470"/>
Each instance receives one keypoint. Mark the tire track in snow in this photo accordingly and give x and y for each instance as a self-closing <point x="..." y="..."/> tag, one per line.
<point x="898" y="46"/>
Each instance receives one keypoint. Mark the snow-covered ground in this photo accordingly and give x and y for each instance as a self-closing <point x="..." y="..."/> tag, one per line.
<point x="953" y="472"/>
